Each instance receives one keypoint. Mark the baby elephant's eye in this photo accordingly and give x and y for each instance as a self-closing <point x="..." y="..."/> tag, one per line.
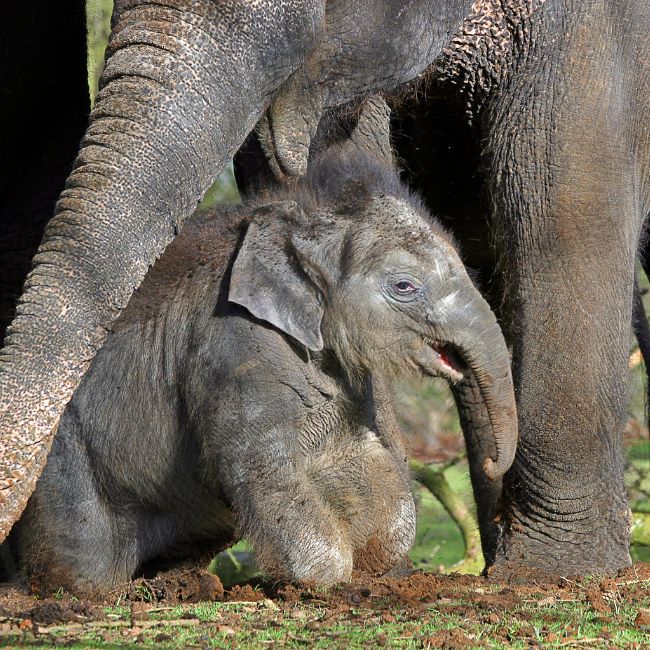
<point x="404" y="287"/>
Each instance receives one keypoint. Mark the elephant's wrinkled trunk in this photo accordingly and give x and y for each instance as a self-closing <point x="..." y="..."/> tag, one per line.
<point x="475" y="333"/>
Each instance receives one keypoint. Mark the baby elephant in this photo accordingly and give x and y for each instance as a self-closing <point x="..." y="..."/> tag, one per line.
<point x="242" y="391"/>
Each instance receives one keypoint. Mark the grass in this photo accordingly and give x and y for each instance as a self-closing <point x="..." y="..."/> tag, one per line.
<point x="98" y="18"/>
<point x="438" y="542"/>
<point x="565" y="623"/>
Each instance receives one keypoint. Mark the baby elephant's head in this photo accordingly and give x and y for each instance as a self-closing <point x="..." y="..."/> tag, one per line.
<point x="350" y="262"/>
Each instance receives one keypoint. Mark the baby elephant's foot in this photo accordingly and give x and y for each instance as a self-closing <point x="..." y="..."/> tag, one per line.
<point x="324" y="560"/>
<point x="388" y="546"/>
<point x="323" y="563"/>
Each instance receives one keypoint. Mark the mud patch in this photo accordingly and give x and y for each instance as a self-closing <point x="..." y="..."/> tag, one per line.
<point x="172" y="587"/>
<point x="450" y="640"/>
<point x="597" y="601"/>
<point x="48" y="613"/>
<point x="435" y="611"/>
<point x="245" y="593"/>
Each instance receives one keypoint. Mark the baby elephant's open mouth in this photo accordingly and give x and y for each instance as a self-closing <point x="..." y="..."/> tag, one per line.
<point x="439" y="360"/>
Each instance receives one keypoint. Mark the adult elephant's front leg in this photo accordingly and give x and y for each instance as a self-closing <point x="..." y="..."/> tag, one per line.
<point x="568" y="229"/>
<point x="565" y="497"/>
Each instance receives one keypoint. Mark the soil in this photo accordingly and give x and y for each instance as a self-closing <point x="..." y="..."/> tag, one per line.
<point x="485" y="598"/>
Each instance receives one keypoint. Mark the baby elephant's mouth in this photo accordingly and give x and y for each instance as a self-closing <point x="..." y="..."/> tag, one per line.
<point x="437" y="359"/>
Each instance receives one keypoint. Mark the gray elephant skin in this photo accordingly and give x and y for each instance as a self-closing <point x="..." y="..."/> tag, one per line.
<point x="531" y="137"/>
<point x="243" y="391"/>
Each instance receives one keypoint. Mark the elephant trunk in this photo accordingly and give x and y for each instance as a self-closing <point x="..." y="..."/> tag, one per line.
<point x="477" y="337"/>
<point x="179" y="93"/>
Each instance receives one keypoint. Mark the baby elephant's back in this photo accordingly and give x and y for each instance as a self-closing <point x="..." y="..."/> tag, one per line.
<point x="205" y="245"/>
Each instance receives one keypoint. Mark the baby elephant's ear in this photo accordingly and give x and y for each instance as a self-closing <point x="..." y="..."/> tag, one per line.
<point x="268" y="282"/>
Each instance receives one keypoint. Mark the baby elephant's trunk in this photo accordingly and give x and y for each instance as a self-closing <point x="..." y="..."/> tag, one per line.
<point x="477" y="336"/>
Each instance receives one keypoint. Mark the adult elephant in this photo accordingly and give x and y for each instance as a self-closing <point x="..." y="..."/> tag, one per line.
<point x="558" y="160"/>
<point x="560" y="184"/>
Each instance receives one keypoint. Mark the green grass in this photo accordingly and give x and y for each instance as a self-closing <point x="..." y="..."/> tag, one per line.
<point x="438" y="542"/>
<point x="98" y="17"/>
<point x="223" y="190"/>
<point x="257" y="625"/>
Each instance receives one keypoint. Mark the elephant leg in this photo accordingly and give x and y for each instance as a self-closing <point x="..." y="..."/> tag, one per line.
<point x="296" y="536"/>
<point x="563" y="170"/>
<point x="565" y="497"/>
<point x="566" y="502"/>
<point x="366" y="488"/>
<point x="567" y="506"/>
<point x="70" y="535"/>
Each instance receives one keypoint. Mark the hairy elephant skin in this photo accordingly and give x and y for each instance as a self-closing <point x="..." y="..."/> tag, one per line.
<point x="243" y="390"/>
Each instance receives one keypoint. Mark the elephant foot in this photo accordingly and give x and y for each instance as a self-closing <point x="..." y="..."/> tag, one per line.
<point x="535" y="550"/>
<point x="508" y="572"/>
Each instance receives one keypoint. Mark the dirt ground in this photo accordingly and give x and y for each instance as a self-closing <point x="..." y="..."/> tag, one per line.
<point x="191" y="609"/>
